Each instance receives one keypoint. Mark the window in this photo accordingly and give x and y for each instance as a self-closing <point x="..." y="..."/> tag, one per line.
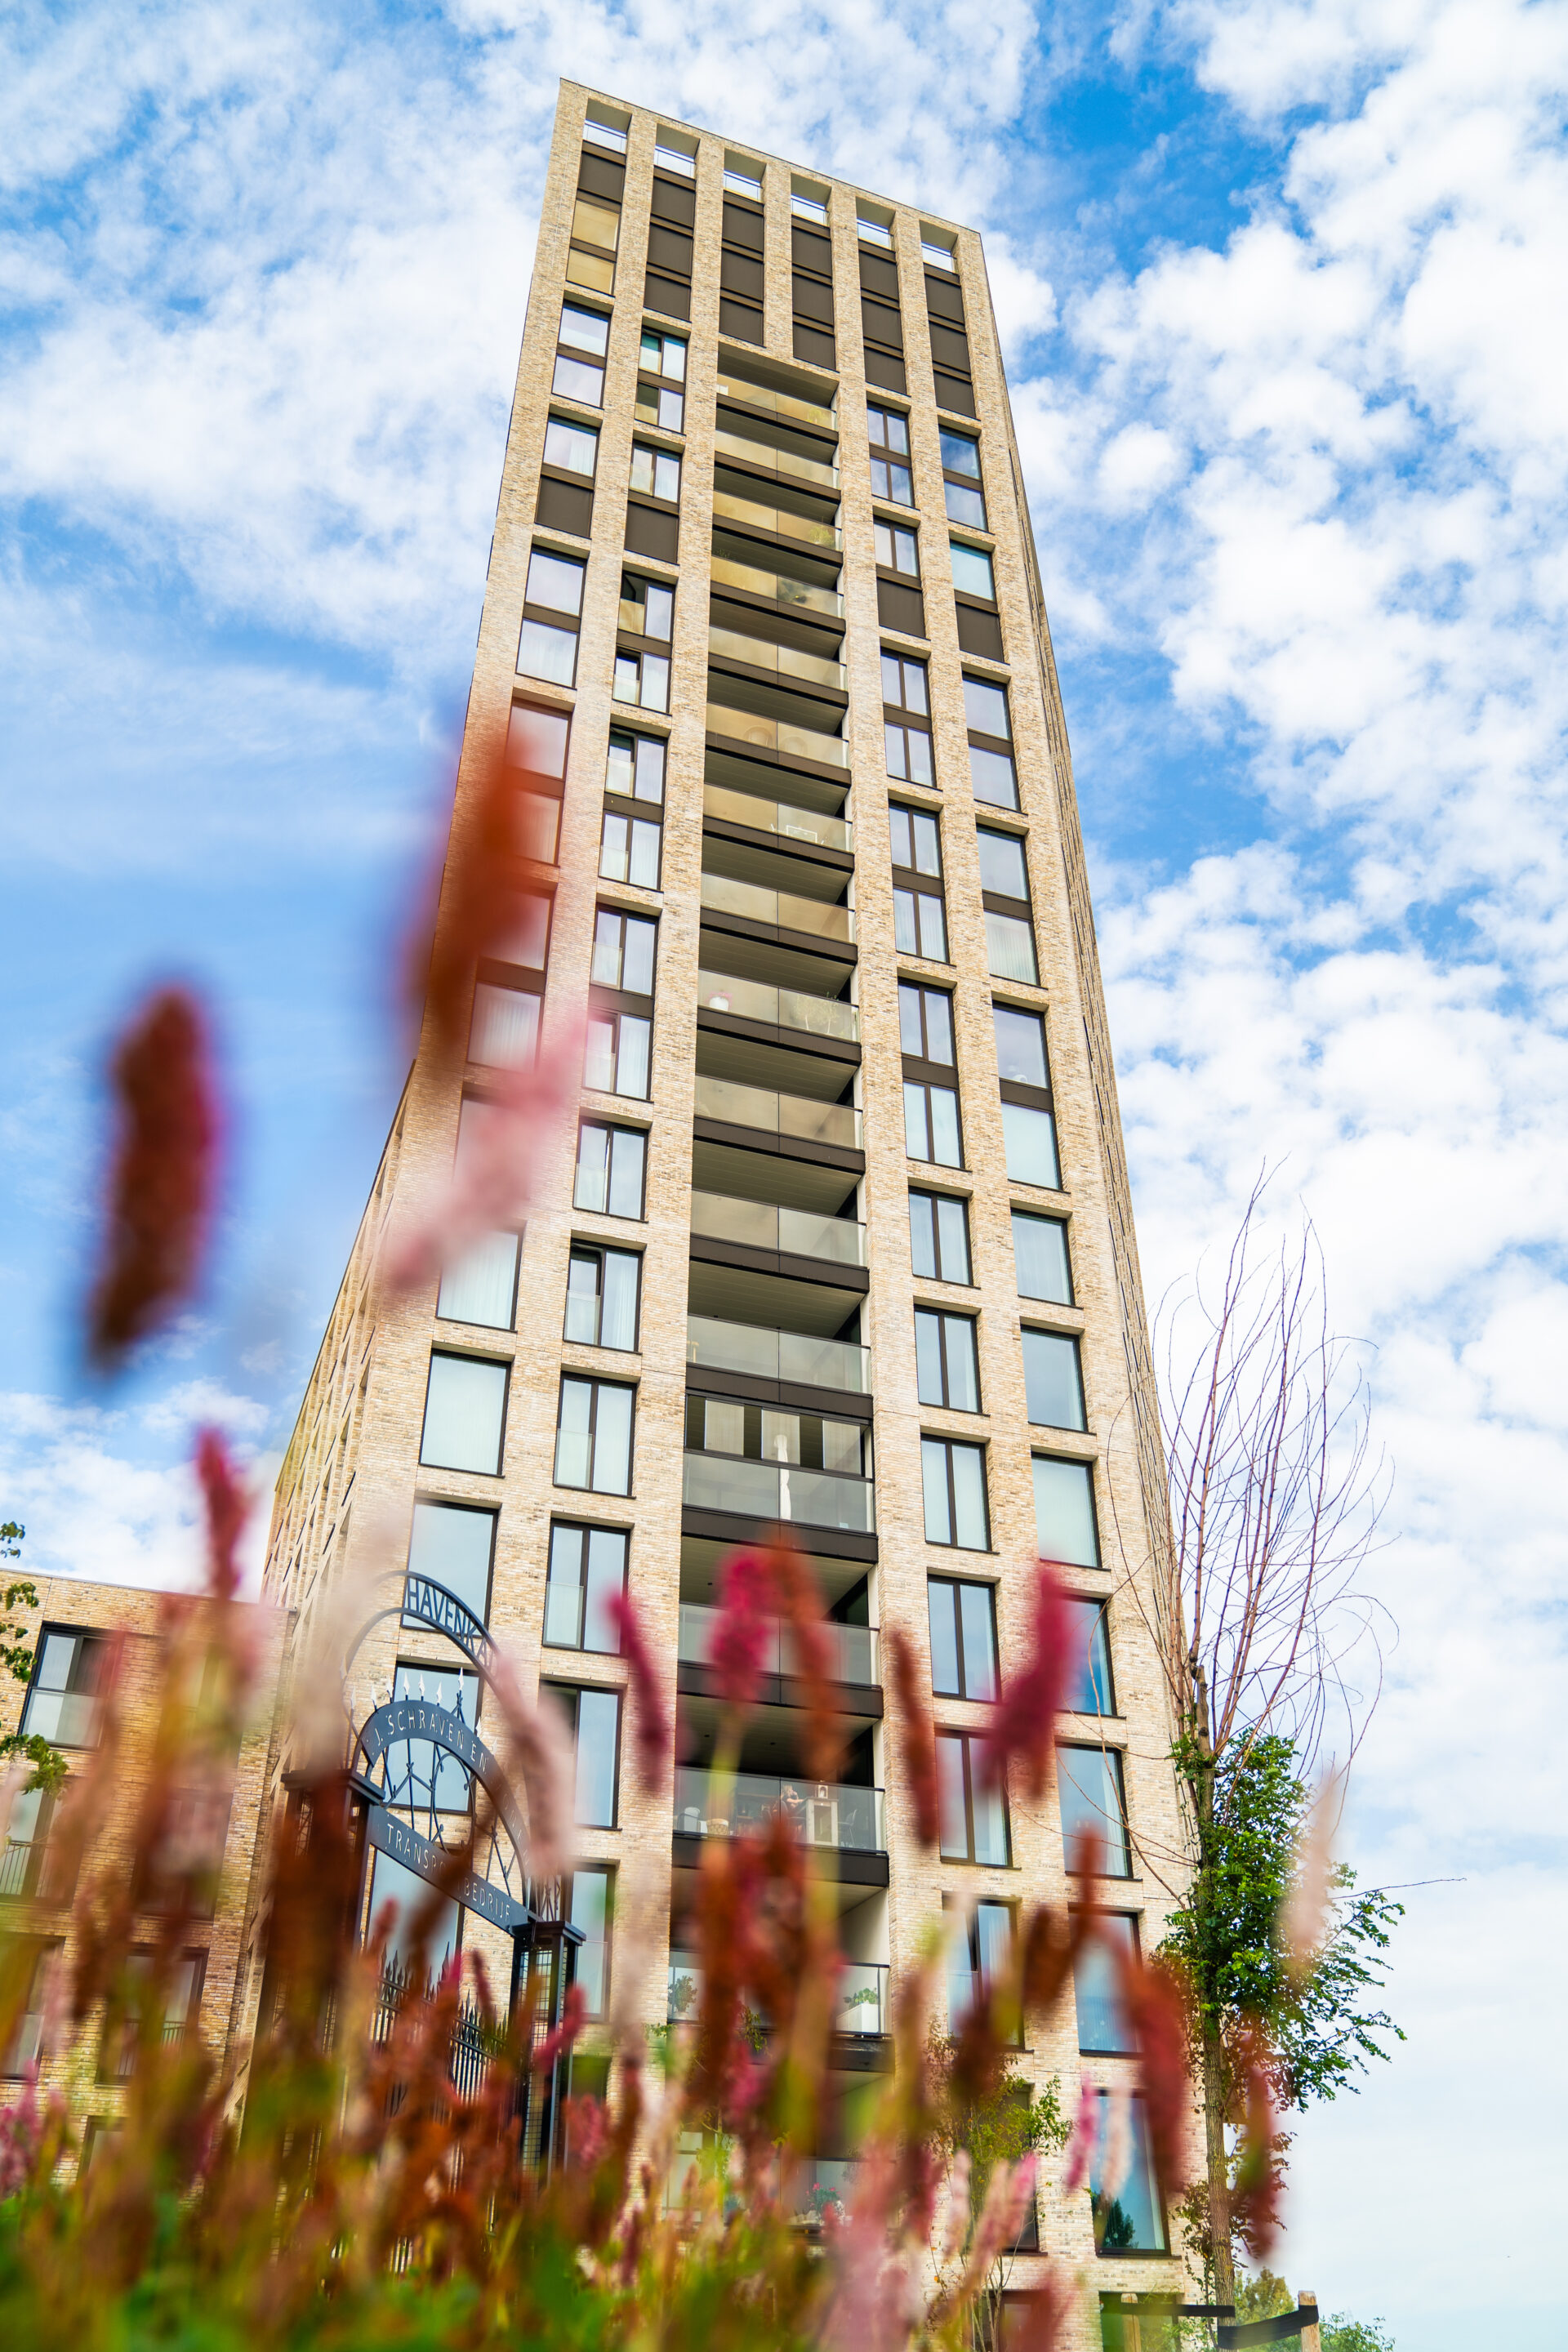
<point x="595" y="233"/>
<point x="1053" y="1380"/>
<point x="671" y="156"/>
<point x="1089" y="1689"/>
<point x="574" y="448"/>
<point x="906" y="713"/>
<point x="409" y="1895"/>
<point x="602" y="1292"/>
<point x="1133" y="2221"/>
<point x="481" y="1286"/>
<point x="1094" y="1806"/>
<point x="874" y="232"/>
<point x="465" y="1414"/>
<point x="931" y="1107"/>
<point x="603" y="134"/>
<point x="611" y="1161"/>
<point x="536" y="743"/>
<point x="27" y="2042"/>
<point x="630" y="849"/>
<point x="898" y="548"/>
<point x="952" y="1477"/>
<point x="583" y="339"/>
<point x="945" y="1367"/>
<point x="1103" y="2029"/>
<point x="661" y="374"/>
<point x="647" y="608"/>
<point x="1028" y="1126"/>
<point x="616" y="1056"/>
<point x="805" y="207"/>
<point x="595" y="1718"/>
<point x="890" y="434"/>
<point x="656" y="472"/>
<point x="587" y="1570"/>
<point x="963" y="1639"/>
<point x="743" y="178"/>
<point x="68" y="1683"/>
<point x="925" y="1023"/>
<point x="592" y="1907"/>
<point x="26" y="1858"/>
<point x="181" y="1999"/>
<point x="634" y="771"/>
<point x="432" y="1775"/>
<point x="452" y="1545"/>
<point x="939" y="1237"/>
<point x="931" y="1124"/>
<point x="765" y="1433"/>
<point x="1005" y="893"/>
<point x="1030" y="1139"/>
<point x="960" y="479"/>
<point x="1064" y="1524"/>
<point x="594" y="1436"/>
<point x="623" y="949"/>
<point x="920" y="920"/>
<point x="977" y="1957"/>
<point x="1040" y="1255"/>
<point x="642" y="681"/>
<point x="971" y="572"/>
<point x="503" y="1030"/>
<point x="548" y="647"/>
<point x="992" y="775"/>
<point x="973" y="1820"/>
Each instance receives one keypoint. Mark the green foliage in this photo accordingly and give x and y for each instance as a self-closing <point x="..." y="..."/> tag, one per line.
<point x="1263" y="2298"/>
<point x="1342" y="2334"/>
<point x="49" y="1764"/>
<point x="14" y="1653"/>
<point x="1318" y="2027"/>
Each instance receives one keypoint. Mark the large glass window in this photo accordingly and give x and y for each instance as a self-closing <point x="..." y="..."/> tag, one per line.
<point x="939" y="1237"/>
<point x="581" y="346"/>
<point x="69" y="1674"/>
<point x="465" y="1414"/>
<point x="503" y="1033"/>
<point x="611" y="1163"/>
<point x="592" y="1907"/>
<point x="661" y="377"/>
<point x="1103" y="2029"/>
<point x="906" y="716"/>
<point x="898" y="549"/>
<point x="615" y="1058"/>
<point x="925" y="1023"/>
<point x="977" y="1956"/>
<point x="595" y="1719"/>
<point x="992" y="774"/>
<point x="587" y="1571"/>
<point x="1133" y="2221"/>
<point x="962" y="1638"/>
<point x="656" y="472"/>
<point x="1094" y="1805"/>
<point x="888" y="431"/>
<point x="634" y="771"/>
<point x="971" y="572"/>
<point x="39" y="1960"/>
<point x="630" y="849"/>
<point x="601" y="1292"/>
<point x="1053" y="1380"/>
<point x="974" y="1818"/>
<point x="647" y="608"/>
<point x="547" y="647"/>
<point x="571" y="447"/>
<point x="453" y="1545"/>
<point x="481" y="1286"/>
<point x="931" y="1124"/>
<point x="946" y="1369"/>
<point x="594" y="1436"/>
<point x="962" y="487"/>
<point x="1064" y="1524"/>
<point x="1029" y="1141"/>
<point x="920" y="923"/>
<point x="953" y="1477"/>
<point x="623" y="949"/>
<point x="1020" y="1045"/>
<point x="1089" y="1690"/>
<point x="1040" y="1255"/>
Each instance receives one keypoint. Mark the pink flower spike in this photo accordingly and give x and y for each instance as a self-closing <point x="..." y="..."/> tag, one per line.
<point x="574" y="2009"/>
<point x="741" y="1637"/>
<point x="1026" y="1711"/>
<point x="1085" y="2134"/>
<point x="228" y="1507"/>
<point x="653" y="1732"/>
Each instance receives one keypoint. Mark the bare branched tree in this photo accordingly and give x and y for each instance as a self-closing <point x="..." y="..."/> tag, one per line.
<point x="1269" y="1642"/>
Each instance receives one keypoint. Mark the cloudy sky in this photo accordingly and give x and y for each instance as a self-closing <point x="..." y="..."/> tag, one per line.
<point x="1284" y="285"/>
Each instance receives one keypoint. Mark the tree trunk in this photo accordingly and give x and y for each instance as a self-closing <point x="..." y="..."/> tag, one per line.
<point x="1219" y="2172"/>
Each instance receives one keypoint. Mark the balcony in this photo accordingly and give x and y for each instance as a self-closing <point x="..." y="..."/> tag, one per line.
<point x="784" y="661"/>
<point x="782" y="519"/>
<point x="778" y="735"/>
<point x="824" y="1813"/>
<point x="852" y="1648"/>
<point x="780" y="1008"/>
<point x="778" y="404"/>
<point x="780" y="587"/>
<point x="791" y="1115"/>
<point x="722" y="894"/>
<point x="779" y="1490"/>
<point x="769" y="1355"/>
<point x="759" y="1224"/>
<point x="782" y="818"/>
<point x="863" y="2010"/>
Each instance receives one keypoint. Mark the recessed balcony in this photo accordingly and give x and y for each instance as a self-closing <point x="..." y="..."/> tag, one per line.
<point x="779" y="1491"/>
<point x="784" y="819"/>
<point x="785" y="737"/>
<point x="824" y="1813"/>
<point x="852" y="1649"/>
<point x="768" y="1225"/>
<point x="863" y="2010"/>
<point x="744" y="502"/>
<point x="778" y="1114"/>
<point x="736" y="566"/>
<point x="786" y="910"/>
<point x="718" y="1346"/>
<point x="784" y="661"/>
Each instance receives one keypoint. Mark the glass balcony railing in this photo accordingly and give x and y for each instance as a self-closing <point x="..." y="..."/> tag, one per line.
<point x="779" y="403"/>
<point x="785" y="661"/>
<point x="770" y="1355"/>
<point x="794" y="1115"/>
<point x="785" y="1008"/>
<point x="780" y="817"/>
<point x="864" y="2007"/>
<point x="782" y="519"/>
<point x="806" y="594"/>
<point x="852" y="1648"/>
<point x="848" y="1820"/>
<point x="780" y="1490"/>
<point x="760" y="1224"/>
<point x="784" y="907"/>
<point x="778" y="735"/>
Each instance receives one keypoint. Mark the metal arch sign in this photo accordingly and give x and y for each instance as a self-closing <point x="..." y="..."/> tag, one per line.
<point x="443" y="1727"/>
<point x="392" y="1835"/>
<point x="429" y="1603"/>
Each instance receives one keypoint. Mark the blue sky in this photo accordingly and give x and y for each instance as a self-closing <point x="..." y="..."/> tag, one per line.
<point x="1281" y="283"/>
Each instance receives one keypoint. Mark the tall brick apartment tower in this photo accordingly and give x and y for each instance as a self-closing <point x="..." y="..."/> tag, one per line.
<point x="842" y="1235"/>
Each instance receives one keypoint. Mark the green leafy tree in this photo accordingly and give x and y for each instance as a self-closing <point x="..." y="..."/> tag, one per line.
<point x="1274" y="1507"/>
<point x="1342" y="2334"/>
<point x="1011" y="2122"/>
<point x="49" y="1764"/>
